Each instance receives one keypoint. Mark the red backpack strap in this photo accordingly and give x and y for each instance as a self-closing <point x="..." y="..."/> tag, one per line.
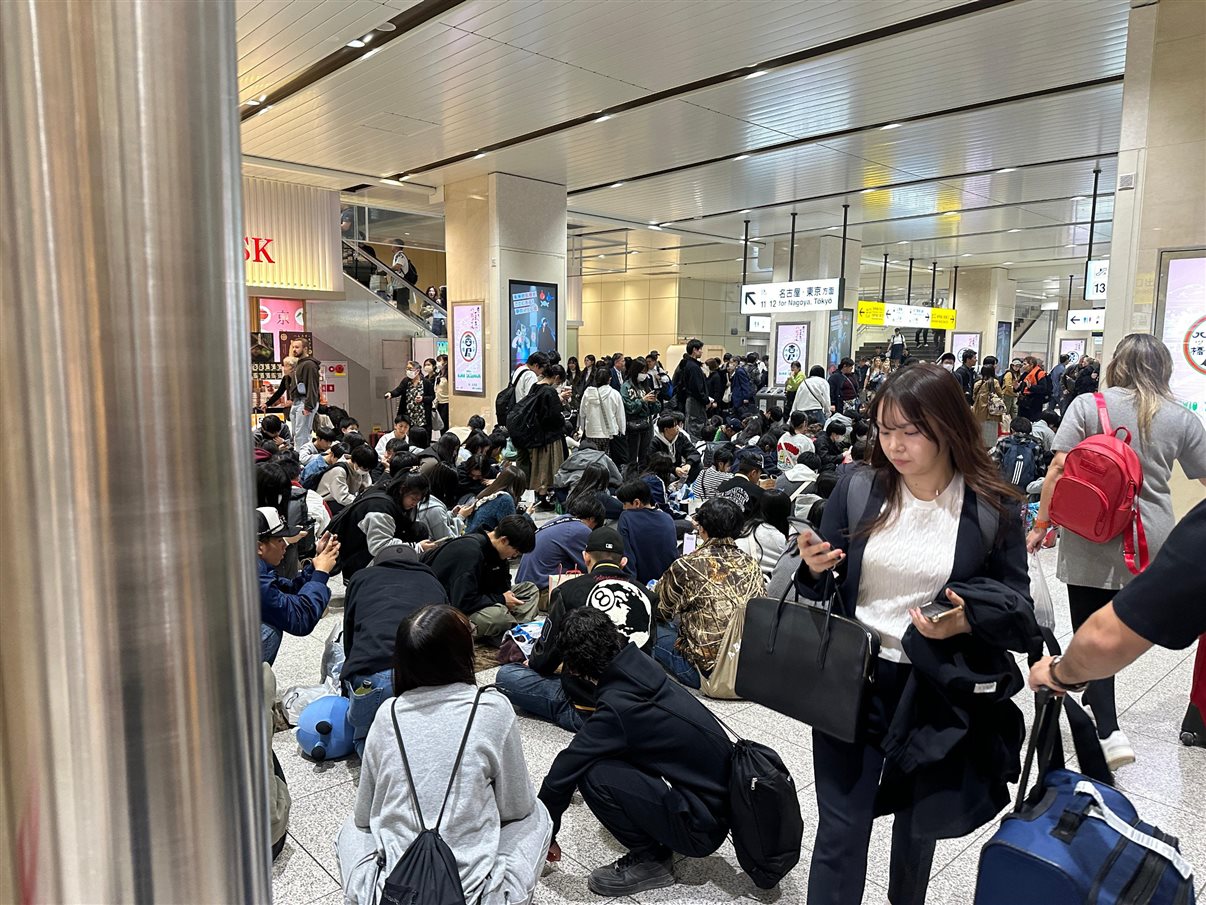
<point x="1101" y="411"/>
<point x="1129" y="544"/>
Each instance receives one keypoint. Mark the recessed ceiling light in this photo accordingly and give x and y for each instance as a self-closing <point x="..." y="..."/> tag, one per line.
<point x="745" y="210"/>
<point x="889" y="126"/>
<point x="386" y="26"/>
<point x="966" y="254"/>
<point x="831" y="228"/>
<point x="600" y="256"/>
<point x="371" y="53"/>
<point x="903" y="242"/>
<point x="253" y="102"/>
<point x="355" y="42"/>
<point x="604" y="118"/>
<point x="866" y="191"/>
<point x="741" y="156"/>
<point x="406" y="234"/>
<point x="1078" y="198"/>
<point x="393" y="181"/>
<point x="754" y="75"/>
<point x="951" y="214"/>
<point x="1007" y="170"/>
<point x="1015" y="230"/>
<point x="1006" y="263"/>
<point x="616" y="185"/>
<point x="1070" y="245"/>
<point x="479" y="156"/>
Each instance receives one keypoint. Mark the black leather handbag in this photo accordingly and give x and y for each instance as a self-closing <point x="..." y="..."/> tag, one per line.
<point x="801" y="659"/>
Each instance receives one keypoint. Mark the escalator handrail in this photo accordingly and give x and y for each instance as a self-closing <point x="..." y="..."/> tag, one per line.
<point x="377" y="263"/>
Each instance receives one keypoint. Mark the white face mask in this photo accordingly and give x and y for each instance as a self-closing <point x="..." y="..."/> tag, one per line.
<point x="411" y="373"/>
<point x="949" y="366"/>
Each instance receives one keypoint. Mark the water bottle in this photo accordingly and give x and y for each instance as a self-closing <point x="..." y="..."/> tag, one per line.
<point x="365" y="687"/>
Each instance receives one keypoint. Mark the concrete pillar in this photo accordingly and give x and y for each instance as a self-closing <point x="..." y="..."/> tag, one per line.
<point x="817" y="258"/>
<point x="499" y="228"/>
<point x="1163" y="150"/>
<point x="133" y="746"/>
<point x="984" y="297"/>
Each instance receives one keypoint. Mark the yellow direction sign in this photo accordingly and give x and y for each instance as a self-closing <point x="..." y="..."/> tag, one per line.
<point x="942" y="318"/>
<point x="870" y="313"/>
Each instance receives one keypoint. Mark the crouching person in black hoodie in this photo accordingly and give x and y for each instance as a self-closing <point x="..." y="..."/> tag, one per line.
<point x="651" y="762"/>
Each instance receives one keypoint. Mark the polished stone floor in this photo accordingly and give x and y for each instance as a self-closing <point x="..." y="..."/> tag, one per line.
<point x="1166" y="784"/>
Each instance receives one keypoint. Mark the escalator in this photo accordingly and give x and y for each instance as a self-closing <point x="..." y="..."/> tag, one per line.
<point x="365" y="273"/>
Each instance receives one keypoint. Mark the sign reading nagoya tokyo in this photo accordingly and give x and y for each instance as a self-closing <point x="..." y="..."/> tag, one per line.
<point x="789" y="298"/>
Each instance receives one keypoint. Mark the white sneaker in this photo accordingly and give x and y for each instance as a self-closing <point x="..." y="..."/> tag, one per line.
<point x="1117" y="749"/>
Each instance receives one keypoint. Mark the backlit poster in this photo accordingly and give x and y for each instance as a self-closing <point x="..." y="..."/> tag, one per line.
<point x="791" y="344"/>
<point x="1182" y="325"/>
<point x="468" y="371"/>
<point x="960" y="342"/>
<point x="1004" y="344"/>
<point x="265" y="369"/>
<point x="841" y="332"/>
<point x="281" y="314"/>
<point x="1073" y="348"/>
<point x="533" y="319"/>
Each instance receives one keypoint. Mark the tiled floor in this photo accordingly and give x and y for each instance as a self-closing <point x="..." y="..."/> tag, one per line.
<point x="1165" y="783"/>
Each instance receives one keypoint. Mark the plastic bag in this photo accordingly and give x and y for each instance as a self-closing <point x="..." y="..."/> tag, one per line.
<point x="332" y="655"/>
<point x="1044" y="610"/>
<point x="299" y="697"/>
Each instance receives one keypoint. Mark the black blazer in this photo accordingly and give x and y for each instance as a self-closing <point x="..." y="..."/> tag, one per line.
<point x="1006" y="562"/>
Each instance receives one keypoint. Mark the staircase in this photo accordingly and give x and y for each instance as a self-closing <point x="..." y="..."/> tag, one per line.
<point x="929" y="351"/>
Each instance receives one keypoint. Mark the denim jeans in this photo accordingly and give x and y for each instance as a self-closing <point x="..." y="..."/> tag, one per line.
<point x="672" y="661"/>
<point x="363" y="707"/>
<point x="300" y="423"/>
<point x="541" y="696"/>
<point x="270" y="643"/>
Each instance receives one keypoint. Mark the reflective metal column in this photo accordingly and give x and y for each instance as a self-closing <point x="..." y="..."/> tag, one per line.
<point x="131" y="742"/>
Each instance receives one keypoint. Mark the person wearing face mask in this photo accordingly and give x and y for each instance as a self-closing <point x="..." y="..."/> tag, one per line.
<point x="413" y="390"/>
<point x="947" y="361"/>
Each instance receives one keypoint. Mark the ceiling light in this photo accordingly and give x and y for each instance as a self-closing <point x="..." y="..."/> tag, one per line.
<point x="600" y="256"/>
<point x="479" y="156"/>
<point x="1006" y="263"/>
<point x="604" y="118"/>
<point x="386" y="26"/>
<point x="253" y="102"/>
<point x="741" y="156"/>
<point x="966" y="254"/>
<point x="1078" y="198"/>
<point x="1015" y="230"/>
<point x="951" y="214"/>
<point x="866" y="191"/>
<point x="1070" y="245"/>
<point x="903" y="242"/>
<point x="834" y="227"/>
<point x="745" y="210"/>
<point x="889" y="126"/>
<point x="1007" y="170"/>
<point x="655" y="226"/>
<point x="616" y="185"/>
<point x="754" y="75"/>
<point x="393" y="181"/>
<point x="355" y="42"/>
<point x="264" y="110"/>
<point x="373" y="52"/>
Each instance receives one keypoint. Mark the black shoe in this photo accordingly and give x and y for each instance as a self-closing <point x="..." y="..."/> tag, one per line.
<point x="1193" y="729"/>
<point x="631" y="874"/>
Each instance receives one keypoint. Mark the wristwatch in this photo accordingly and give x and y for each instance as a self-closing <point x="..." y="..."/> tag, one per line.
<point x="1055" y="661"/>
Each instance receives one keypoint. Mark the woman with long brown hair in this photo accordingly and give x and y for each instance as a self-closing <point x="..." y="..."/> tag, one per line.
<point x="931" y="491"/>
<point x="1162" y="431"/>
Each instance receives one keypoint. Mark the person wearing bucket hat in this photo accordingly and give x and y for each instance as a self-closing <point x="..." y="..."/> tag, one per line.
<point x="568" y="700"/>
<point x="292" y="605"/>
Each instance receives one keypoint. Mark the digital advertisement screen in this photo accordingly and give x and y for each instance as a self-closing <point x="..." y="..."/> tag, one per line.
<point x="533" y="319"/>
<point x="791" y="344"/>
<point x="1183" y="326"/>
<point x="841" y="334"/>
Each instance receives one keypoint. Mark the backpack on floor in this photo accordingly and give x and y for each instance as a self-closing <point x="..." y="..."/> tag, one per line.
<point x="1097" y="497"/>
<point x="427" y="873"/>
<point x="1019" y="461"/>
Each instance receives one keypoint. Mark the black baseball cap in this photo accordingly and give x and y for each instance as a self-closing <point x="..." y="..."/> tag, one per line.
<point x="605" y="540"/>
<point x="733" y="424"/>
<point x="270" y="524"/>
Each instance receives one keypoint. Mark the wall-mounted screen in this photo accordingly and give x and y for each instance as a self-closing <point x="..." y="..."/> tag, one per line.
<point x="533" y="319"/>
<point x="1181" y="324"/>
<point x="791" y="344"/>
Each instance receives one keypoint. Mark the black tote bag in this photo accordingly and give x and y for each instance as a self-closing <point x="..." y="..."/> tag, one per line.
<point x="801" y="659"/>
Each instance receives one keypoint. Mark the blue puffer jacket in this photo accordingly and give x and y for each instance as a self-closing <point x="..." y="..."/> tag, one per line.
<point x="292" y="605"/>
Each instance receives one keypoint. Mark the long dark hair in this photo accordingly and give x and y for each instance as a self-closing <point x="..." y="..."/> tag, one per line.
<point x="513" y="480"/>
<point x="434" y="646"/>
<point x="927" y="398"/>
<point x="595" y="478"/>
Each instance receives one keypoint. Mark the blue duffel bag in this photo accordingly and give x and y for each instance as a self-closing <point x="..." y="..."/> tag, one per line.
<point x="1076" y="840"/>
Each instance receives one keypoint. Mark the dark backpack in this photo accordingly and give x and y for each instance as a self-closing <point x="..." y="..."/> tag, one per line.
<point x="505" y="400"/>
<point x="300" y="520"/>
<point x="523" y="421"/>
<point x="427" y="873"/>
<point x="1019" y="461"/>
<point x="310" y="479"/>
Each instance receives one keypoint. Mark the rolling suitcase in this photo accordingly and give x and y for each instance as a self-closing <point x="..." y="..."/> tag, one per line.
<point x="1077" y="840"/>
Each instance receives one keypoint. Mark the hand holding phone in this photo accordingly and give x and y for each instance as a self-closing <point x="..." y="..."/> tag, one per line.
<point x="817" y="554"/>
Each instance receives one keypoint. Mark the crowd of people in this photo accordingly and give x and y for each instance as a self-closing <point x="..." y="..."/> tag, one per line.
<point x="669" y="500"/>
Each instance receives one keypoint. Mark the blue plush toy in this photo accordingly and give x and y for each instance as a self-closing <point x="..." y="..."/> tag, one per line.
<point x="323" y="730"/>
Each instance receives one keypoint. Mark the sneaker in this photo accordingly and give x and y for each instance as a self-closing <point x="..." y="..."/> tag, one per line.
<point x="1117" y="749"/>
<point x="631" y="874"/>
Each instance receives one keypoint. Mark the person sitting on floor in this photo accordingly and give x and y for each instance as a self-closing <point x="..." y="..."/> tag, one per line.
<point x="568" y="700"/>
<point x="649" y="535"/>
<point x="379" y="599"/>
<point x="746" y="486"/>
<point x="491" y="820"/>
<point x="703" y="591"/>
<point x="651" y="762"/>
<point x="292" y="605"/>
<point x="475" y="571"/>
<point x="559" y="544"/>
<point x="495" y="502"/>
<point x="714" y="475"/>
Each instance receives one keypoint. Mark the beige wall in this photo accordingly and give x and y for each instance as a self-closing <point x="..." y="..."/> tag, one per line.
<point x="630" y="316"/>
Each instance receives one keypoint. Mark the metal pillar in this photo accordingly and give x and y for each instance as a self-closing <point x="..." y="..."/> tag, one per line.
<point x="842" y="272"/>
<point x="1093" y="215"/>
<point x="954" y="286"/>
<point x="791" y="250"/>
<point x="745" y="251"/>
<point x="883" y="286"/>
<point x="933" y="282"/>
<point x="132" y="732"/>
<point x="909" y="285"/>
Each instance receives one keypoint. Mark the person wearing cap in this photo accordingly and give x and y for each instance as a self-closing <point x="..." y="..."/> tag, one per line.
<point x="292" y="605"/>
<point x="568" y="700"/>
<point x="747" y="486"/>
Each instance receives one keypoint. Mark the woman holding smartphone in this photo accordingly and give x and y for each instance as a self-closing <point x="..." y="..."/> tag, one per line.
<point x="919" y="531"/>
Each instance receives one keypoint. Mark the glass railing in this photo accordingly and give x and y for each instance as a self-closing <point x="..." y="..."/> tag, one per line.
<point x="390" y="284"/>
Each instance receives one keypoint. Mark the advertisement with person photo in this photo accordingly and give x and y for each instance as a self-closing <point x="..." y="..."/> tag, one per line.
<point x="533" y="319"/>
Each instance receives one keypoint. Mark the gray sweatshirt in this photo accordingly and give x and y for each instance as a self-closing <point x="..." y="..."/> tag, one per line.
<point x="493" y="786"/>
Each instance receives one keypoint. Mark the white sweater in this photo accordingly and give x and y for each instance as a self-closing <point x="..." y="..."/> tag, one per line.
<point x="907" y="563"/>
<point x="601" y="414"/>
<point x="813" y="394"/>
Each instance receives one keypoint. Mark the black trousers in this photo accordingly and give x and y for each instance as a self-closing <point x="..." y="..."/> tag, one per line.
<point x="648" y="816"/>
<point x="847" y="782"/>
<point x="1082" y="603"/>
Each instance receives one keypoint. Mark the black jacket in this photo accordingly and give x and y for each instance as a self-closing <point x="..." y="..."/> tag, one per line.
<point x="471" y="570"/>
<point x="651" y="722"/>
<point x="956" y="737"/>
<point x="967" y="379"/>
<point x="376" y="512"/>
<point x="692" y="381"/>
<point x="716" y="383"/>
<point x="842" y="389"/>
<point x="681" y="450"/>
<point x="379" y="598"/>
<point x="610" y="589"/>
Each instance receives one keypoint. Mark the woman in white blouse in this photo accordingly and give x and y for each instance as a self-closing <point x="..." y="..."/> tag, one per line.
<point x="932" y="488"/>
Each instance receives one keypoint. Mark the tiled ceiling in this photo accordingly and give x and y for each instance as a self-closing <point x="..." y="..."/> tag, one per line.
<point x="1031" y="87"/>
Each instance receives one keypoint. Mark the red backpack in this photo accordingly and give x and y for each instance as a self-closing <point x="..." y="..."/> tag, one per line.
<point x="1097" y="496"/>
